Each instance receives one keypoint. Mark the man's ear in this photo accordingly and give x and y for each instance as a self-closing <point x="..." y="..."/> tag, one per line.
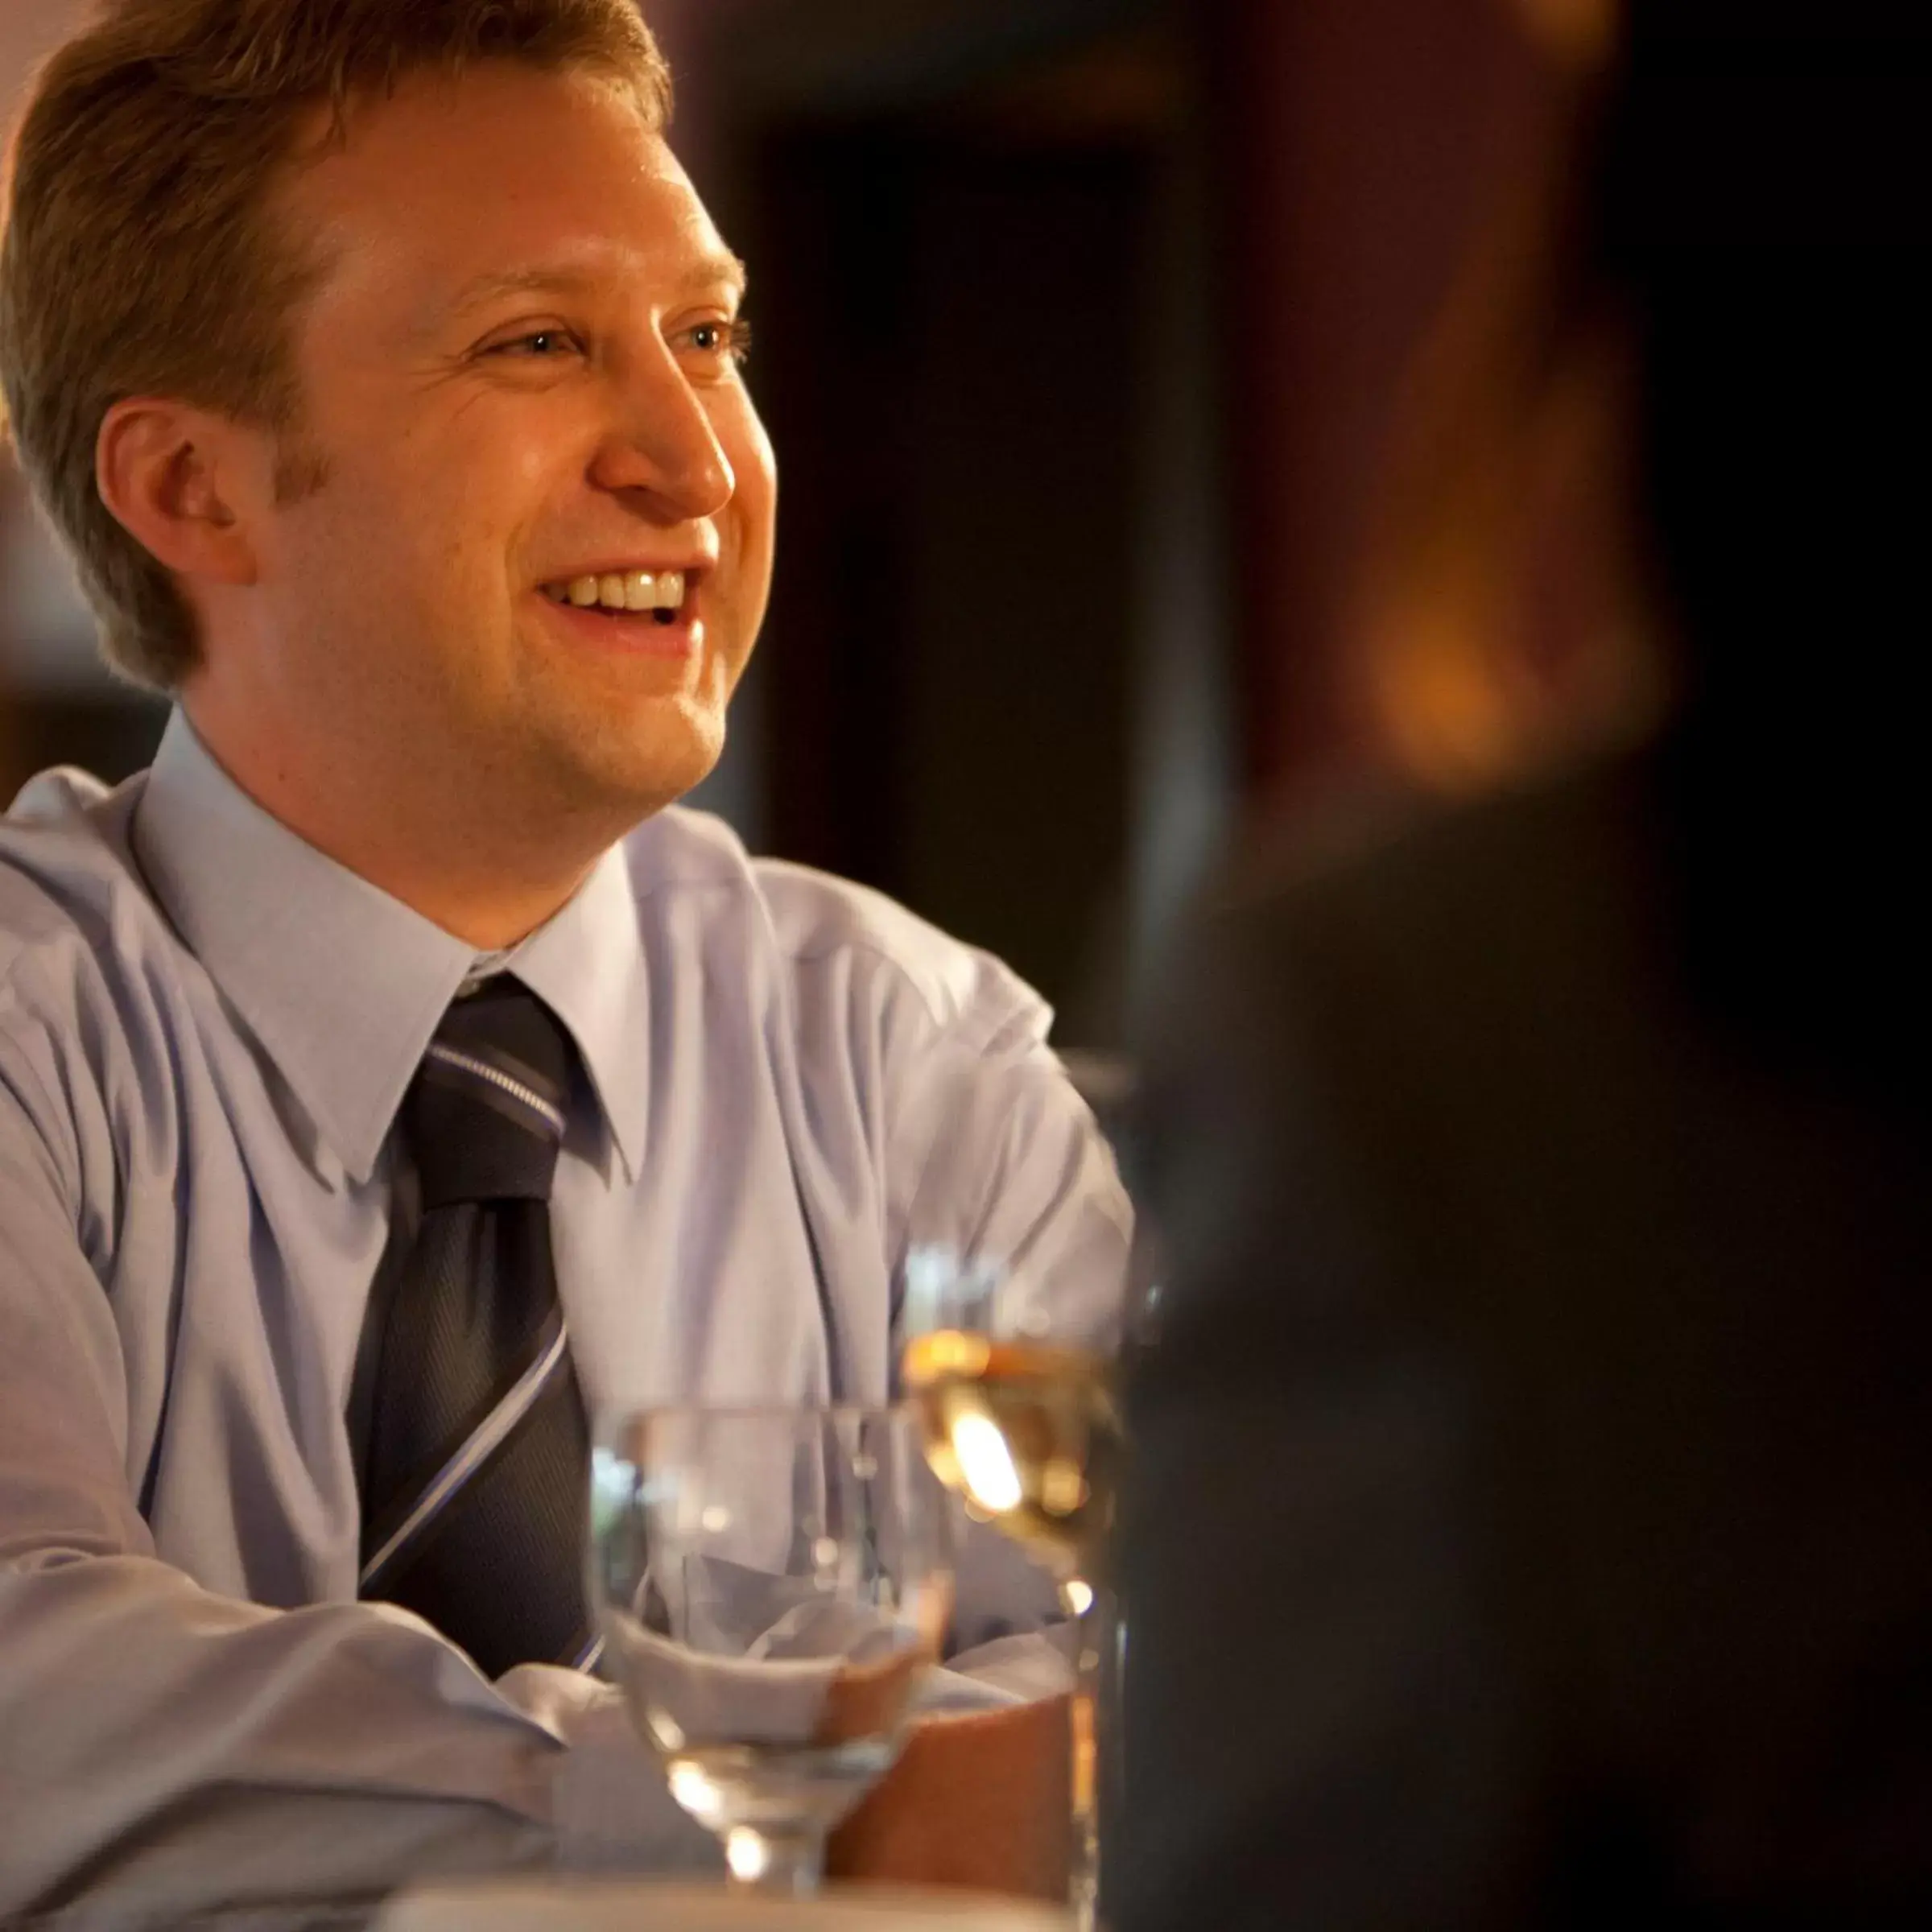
<point x="181" y="481"/>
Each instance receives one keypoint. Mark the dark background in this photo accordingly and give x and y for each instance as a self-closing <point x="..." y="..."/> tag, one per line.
<point x="1079" y="327"/>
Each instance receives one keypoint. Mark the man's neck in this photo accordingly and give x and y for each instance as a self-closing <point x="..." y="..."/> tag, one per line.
<point x="463" y="868"/>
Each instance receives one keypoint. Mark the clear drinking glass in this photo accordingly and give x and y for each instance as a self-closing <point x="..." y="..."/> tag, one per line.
<point x="1021" y="1420"/>
<point x="773" y="1585"/>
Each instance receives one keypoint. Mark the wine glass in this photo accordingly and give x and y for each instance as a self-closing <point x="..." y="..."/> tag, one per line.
<point x="1025" y="1428"/>
<point x="1016" y="1397"/>
<point x="772" y="1585"/>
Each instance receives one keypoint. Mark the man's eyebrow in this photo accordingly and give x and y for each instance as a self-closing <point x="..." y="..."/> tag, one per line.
<point x="708" y="272"/>
<point x="724" y="267"/>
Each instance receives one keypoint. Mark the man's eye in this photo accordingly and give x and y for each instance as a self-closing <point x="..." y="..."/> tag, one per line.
<point x="542" y="344"/>
<point x="732" y="339"/>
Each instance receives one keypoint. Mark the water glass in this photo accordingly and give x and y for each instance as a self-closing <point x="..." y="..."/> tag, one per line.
<point x="773" y="1585"/>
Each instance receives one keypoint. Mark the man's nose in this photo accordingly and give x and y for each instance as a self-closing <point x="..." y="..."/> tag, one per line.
<point x="665" y="448"/>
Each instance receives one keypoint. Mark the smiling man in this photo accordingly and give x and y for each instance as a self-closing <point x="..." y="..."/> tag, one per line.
<point x="393" y="1072"/>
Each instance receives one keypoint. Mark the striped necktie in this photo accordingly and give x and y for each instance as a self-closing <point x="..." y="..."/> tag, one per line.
<point x="477" y="1466"/>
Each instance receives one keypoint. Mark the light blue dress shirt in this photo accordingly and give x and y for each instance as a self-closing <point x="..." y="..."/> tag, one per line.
<point x="206" y="1031"/>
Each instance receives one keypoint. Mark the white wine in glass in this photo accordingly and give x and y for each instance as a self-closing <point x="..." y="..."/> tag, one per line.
<point x="1029" y="1434"/>
<point x="1020" y="1420"/>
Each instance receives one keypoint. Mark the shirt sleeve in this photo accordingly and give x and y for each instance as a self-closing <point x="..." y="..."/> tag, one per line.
<point x="164" y="1747"/>
<point x="1010" y="1170"/>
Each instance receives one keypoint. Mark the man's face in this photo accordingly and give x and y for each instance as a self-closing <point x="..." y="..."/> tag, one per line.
<point x="519" y="375"/>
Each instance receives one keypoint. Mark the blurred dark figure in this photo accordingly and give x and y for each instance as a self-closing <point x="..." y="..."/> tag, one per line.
<point x="1533" y="1514"/>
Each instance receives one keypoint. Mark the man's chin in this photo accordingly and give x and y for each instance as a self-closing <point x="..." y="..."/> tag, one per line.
<point x="626" y="776"/>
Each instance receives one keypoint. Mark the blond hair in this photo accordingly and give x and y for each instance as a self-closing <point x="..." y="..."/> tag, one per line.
<point x="139" y="256"/>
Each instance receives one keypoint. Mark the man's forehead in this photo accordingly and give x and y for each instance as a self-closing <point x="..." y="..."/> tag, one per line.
<point x="534" y="191"/>
<point x="709" y="268"/>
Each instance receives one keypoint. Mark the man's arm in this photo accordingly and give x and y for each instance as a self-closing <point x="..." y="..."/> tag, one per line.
<point x="1013" y="1172"/>
<point x="162" y="1746"/>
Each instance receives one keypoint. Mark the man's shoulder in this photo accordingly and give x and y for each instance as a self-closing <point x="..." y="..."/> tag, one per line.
<point x="83" y="949"/>
<point x="67" y="884"/>
<point x="831" y="929"/>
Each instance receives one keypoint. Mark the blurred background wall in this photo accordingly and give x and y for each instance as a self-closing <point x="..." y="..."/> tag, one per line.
<point x="1079" y="323"/>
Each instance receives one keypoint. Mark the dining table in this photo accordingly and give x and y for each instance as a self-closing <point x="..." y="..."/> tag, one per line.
<point x="541" y="1904"/>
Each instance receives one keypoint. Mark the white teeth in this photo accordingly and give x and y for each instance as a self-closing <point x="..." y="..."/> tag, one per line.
<point x="631" y="590"/>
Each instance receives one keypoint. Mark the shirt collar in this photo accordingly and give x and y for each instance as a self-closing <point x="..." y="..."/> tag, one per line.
<point x="343" y="985"/>
<point x="588" y="965"/>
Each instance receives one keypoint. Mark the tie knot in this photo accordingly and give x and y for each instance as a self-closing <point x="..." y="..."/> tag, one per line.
<point x="485" y="1115"/>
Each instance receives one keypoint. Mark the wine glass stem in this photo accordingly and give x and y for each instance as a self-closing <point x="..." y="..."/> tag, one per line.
<point x="1083" y="1888"/>
<point x="792" y="1864"/>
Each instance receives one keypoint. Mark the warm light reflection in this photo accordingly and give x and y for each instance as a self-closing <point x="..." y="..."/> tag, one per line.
<point x="986" y="1463"/>
<point x="694" y="1788"/>
<point x="749" y="1857"/>
<point x="1582" y="34"/>
<point x="1062" y="1486"/>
